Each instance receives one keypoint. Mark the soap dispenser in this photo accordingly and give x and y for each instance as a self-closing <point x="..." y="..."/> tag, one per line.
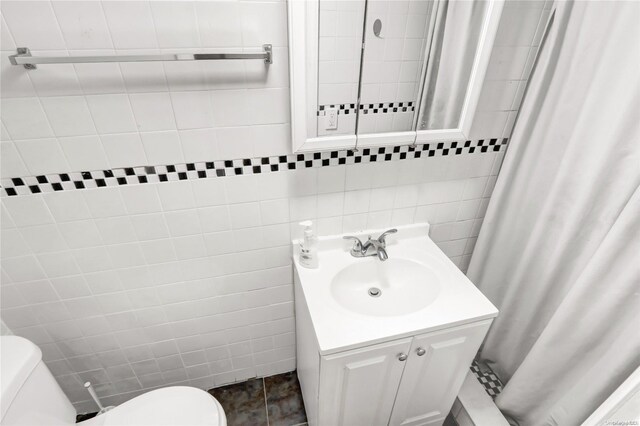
<point x="308" y="247"/>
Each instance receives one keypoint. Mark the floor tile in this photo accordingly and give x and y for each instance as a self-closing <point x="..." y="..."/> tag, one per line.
<point x="284" y="400"/>
<point x="243" y="403"/>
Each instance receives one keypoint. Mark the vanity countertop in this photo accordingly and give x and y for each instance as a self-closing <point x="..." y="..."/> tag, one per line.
<point x="436" y="294"/>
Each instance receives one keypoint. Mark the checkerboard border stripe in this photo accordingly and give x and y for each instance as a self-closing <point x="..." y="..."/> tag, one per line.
<point x="377" y="108"/>
<point x="248" y="166"/>
<point x="491" y="383"/>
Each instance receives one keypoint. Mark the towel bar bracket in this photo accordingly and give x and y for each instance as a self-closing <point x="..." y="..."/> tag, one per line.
<point x="22" y="52"/>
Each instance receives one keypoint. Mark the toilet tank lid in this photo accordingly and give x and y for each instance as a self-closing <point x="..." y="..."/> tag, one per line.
<point x="18" y="358"/>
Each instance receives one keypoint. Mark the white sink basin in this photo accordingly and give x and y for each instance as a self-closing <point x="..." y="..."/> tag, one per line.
<point x="393" y="287"/>
<point x="353" y="301"/>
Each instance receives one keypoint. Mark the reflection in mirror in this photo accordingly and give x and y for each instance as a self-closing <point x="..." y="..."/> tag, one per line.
<point x="387" y="72"/>
<point x="396" y="36"/>
<point x="339" y="51"/>
<point x="452" y="52"/>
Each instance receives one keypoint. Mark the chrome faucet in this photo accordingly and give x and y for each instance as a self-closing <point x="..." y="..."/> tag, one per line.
<point x="371" y="247"/>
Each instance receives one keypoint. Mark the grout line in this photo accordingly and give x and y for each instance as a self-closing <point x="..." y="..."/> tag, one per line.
<point x="266" y="404"/>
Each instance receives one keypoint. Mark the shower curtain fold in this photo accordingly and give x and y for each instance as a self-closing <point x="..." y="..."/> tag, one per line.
<point x="559" y="251"/>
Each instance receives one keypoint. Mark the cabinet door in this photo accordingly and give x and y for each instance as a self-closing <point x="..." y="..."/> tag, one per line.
<point x="358" y="387"/>
<point x="431" y="381"/>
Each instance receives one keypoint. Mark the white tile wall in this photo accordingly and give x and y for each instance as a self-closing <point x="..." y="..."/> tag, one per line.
<point x="127" y="104"/>
<point x="151" y="265"/>
<point x="144" y="286"/>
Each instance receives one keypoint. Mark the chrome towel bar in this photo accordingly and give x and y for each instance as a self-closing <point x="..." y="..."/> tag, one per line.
<point x="24" y="58"/>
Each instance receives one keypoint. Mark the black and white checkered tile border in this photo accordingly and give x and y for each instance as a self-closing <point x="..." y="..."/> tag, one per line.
<point x="379" y="108"/>
<point x="491" y="383"/>
<point x="343" y="109"/>
<point x="248" y="166"/>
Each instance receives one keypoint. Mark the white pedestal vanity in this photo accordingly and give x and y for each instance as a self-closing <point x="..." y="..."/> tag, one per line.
<point x="385" y="342"/>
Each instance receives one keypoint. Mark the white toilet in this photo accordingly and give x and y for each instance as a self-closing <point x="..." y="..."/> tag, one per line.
<point x="31" y="396"/>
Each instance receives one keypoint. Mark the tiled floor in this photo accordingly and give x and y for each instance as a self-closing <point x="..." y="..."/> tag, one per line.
<point x="487" y="378"/>
<point x="272" y="401"/>
<point x="277" y="401"/>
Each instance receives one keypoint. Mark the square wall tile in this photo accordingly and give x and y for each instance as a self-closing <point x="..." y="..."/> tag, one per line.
<point x="59" y="80"/>
<point x="13" y="243"/>
<point x="6" y="40"/>
<point x="192" y="109"/>
<point x="67" y="206"/>
<point x="112" y="113"/>
<point x="22" y="269"/>
<point x="182" y="223"/>
<point x="130" y="24"/>
<point x="143" y="77"/>
<point x="44" y="238"/>
<point x="150" y="226"/>
<point x="71" y="287"/>
<point x="152" y="111"/>
<point x="200" y="145"/>
<point x="80" y="234"/>
<point x="104" y="202"/>
<point x="59" y="265"/>
<point x="33" y="24"/>
<point x="162" y="147"/>
<point x="11" y="164"/>
<point x="176" y="24"/>
<point x="83" y="24"/>
<point x="220" y="24"/>
<point x="15" y="80"/>
<point x="116" y="230"/>
<point x="124" y="150"/>
<point x="69" y="115"/>
<point x="99" y="77"/>
<point x="43" y="156"/>
<point x="28" y="210"/>
<point x="84" y="153"/>
<point x="176" y="196"/>
<point x="264" y="21"/>
<point x="141" y="199"/>
<point x="24" y="118"/>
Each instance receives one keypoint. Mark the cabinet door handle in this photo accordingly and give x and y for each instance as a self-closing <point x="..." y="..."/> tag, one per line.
<point x="421" y="351"/>
<point x="402" y="356"/>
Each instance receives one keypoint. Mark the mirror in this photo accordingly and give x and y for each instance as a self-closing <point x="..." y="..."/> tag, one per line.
<point x="392" y="65"/>
<point x="454" y="43"/>
<point x="339" y="54"/>
<point x="386" y="72"/>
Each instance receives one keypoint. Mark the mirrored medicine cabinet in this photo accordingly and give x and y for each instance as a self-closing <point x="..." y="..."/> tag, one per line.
<point x="386" y="72"/>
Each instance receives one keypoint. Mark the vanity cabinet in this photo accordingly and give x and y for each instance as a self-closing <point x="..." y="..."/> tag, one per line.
<point x="409" y="381"/>
<point x="397" y="356"/>
<point x="434" y="372"/>
<point x="358" y="387"/>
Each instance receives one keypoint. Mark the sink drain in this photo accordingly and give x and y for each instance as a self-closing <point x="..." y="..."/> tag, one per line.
<point x="375" y="292"/>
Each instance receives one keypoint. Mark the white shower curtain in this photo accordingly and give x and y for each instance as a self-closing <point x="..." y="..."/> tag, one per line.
<point x="559" y="251"/>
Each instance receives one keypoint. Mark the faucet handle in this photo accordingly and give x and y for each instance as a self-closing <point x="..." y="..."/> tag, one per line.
<point x="383" y="236"/>
<point x="357" y="243"/>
